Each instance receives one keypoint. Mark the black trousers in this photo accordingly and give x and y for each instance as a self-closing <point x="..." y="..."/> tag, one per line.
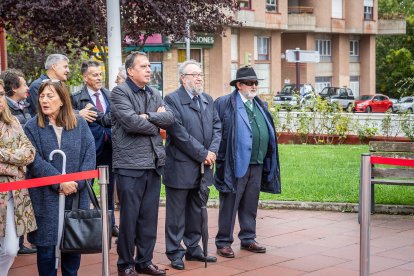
<point x="182" y="223"/>
<point x="139" y="200"/>
<point x="244" y="203"/>
<point x="105" y="158"/>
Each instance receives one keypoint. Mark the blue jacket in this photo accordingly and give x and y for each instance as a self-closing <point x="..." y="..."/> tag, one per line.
<point x="79" y="147"/>
<point x="235" y="148"/>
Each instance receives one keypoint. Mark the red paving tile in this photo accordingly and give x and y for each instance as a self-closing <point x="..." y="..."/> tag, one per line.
<point x="298" y="242"/>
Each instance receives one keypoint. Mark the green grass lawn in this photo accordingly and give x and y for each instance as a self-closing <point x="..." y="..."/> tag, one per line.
<point x="326" y="173"/>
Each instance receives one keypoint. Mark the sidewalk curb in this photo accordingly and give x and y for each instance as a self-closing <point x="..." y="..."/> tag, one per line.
<point x="321" y="206"/>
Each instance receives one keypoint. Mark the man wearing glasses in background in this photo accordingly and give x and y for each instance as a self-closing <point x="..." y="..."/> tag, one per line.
<point x="247" y="162"/>
<point x="192" y="140"/>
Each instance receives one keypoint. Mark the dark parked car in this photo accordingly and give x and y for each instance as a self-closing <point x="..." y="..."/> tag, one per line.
<point x="343" y="96"/>
<point x="290" y="98"/>
<point x="373" y="103"/>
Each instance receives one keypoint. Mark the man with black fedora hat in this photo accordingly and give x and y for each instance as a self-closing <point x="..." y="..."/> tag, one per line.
<point x="247" y="162"/>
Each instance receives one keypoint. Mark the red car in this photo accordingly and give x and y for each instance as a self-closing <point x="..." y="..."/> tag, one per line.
<point x="373" y="103"/>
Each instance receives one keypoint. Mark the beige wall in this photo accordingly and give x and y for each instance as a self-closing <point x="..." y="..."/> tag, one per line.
<point x="276" y="62"/>
<point x="367" y="57"/>
<point x="170" y="68"/>
<point x="220" y="60"/>
<point x="340" y="60"/>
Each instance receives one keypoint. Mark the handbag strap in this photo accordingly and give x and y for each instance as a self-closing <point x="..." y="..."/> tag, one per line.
<point x="91" y="194"/>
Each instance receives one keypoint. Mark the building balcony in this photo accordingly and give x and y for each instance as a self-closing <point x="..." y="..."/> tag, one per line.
<point x="248" y="19"/>
<point x="391" y="26"/>
<point x="301" y="18"/>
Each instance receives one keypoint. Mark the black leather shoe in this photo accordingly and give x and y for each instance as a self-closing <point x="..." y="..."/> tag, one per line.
<point x="200" y="258"/>
<point x="177" y="264"/>
<point x="115" y="231"/>
<point x="26" y="250"/>
<point x="151" y="270"/>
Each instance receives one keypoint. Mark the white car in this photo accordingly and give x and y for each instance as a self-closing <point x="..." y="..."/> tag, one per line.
<point x="405" y="104"/>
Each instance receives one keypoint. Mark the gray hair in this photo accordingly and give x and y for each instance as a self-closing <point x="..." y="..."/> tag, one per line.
<point x="182" y="70"/>
<point x="122" y="72"/>
<point x="53" y="59"/>
<point x="130" y="59"/>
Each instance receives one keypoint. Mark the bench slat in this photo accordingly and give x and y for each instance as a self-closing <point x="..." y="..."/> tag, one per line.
<point x="376" y="146"/>
<point x="405" y="155"/>
<point x="393" y="182"/>
<point x="392" y="172"/>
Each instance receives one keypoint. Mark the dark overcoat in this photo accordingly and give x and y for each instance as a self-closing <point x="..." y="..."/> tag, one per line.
<point x="102" y="125"/>
<point x="79" y="146"/>
<point x="234" y="152"/>
<point x="189" y="139"/>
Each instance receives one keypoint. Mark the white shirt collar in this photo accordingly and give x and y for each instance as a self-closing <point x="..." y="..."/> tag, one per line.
<point x="244" y="98"/>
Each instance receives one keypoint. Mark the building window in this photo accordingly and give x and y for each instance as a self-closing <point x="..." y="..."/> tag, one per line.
<point x="234" y="47"/>
<point x="245" y="4"/>
<point x="336" y="8"/>
<point x="321" y="83"/>
<point x="354" y="50"/>
<point x="323" y="46"/>
<point x="271" y="5"/>
<point x="368" y="9"/>
<point x="194" y="54"/>
<point x="261" y="48"/>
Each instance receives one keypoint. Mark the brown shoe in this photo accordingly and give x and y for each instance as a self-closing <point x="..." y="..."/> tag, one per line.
<point x="225" y="252"/>
<point x="128" y="272"/>
<point x="151" y="270"/>
<point x="253" y="247"/>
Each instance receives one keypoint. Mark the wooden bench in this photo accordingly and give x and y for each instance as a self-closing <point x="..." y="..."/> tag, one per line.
<point x="390" y="175"/>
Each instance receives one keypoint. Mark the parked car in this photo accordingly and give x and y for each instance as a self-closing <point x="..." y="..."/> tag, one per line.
<point x="343" y="96"/>
<point x="290" y="98"/>
<point x="405" y="104"/>
<point x="373" y="103"/>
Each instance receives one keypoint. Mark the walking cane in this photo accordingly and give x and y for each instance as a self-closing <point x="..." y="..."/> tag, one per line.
<point x="61" y="208"/>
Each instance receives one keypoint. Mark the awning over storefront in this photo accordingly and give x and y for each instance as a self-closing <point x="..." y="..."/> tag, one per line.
<point x="147" y="48"/>
<point x="154" y="43"/>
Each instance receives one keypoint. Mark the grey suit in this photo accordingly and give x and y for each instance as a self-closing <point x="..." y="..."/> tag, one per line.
<point x="197" y="130"/>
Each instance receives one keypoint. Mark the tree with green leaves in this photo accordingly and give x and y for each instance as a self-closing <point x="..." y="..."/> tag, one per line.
<point x="395" y="53"/>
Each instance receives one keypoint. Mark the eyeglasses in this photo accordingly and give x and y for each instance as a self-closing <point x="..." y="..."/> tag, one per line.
<point x="250" y="83"/>
<point x="195" y="75"/>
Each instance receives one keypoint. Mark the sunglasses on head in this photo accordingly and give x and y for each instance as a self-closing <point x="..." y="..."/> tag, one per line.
<point x="250" y="83"/>
<point x="50" y="81"/>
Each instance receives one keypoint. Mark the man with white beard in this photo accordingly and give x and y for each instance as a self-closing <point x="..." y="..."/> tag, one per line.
<point x="191" y="141"/>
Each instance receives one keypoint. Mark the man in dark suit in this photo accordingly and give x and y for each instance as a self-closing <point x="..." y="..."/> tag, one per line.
<point x="94" y="98"/>
<point x="247" y="162"/>
<point x="192" y="140"/>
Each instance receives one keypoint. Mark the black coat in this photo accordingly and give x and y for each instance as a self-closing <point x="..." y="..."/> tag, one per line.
<point x="189" y="139"/>
<point x="102" y="124"/>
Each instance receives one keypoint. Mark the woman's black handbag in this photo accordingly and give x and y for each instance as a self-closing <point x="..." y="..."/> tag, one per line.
<point x="82" y="229"/>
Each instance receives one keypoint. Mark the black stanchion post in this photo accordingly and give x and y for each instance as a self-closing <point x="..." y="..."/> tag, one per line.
<point x="103" y="183"/>
<point x="365" y="212"/>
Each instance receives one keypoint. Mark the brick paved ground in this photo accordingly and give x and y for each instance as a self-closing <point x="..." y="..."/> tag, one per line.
<point x="298" y="243"/>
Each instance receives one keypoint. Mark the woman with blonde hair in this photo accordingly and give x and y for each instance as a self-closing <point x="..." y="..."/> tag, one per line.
<point x="57" y="127"/>
<point x="16" y="212"/>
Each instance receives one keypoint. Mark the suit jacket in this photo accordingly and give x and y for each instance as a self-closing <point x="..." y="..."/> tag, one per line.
<point x="189" y="139"/>
<point x="234" y="154"/>
<point x="33" y="94"/>
<point x="102" y="125"/>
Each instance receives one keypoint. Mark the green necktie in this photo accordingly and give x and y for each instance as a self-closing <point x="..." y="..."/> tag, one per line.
<point x="248" y="103"/>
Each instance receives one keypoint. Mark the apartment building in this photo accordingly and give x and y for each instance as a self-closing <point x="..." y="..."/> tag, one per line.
<point x="342" y="31"/>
